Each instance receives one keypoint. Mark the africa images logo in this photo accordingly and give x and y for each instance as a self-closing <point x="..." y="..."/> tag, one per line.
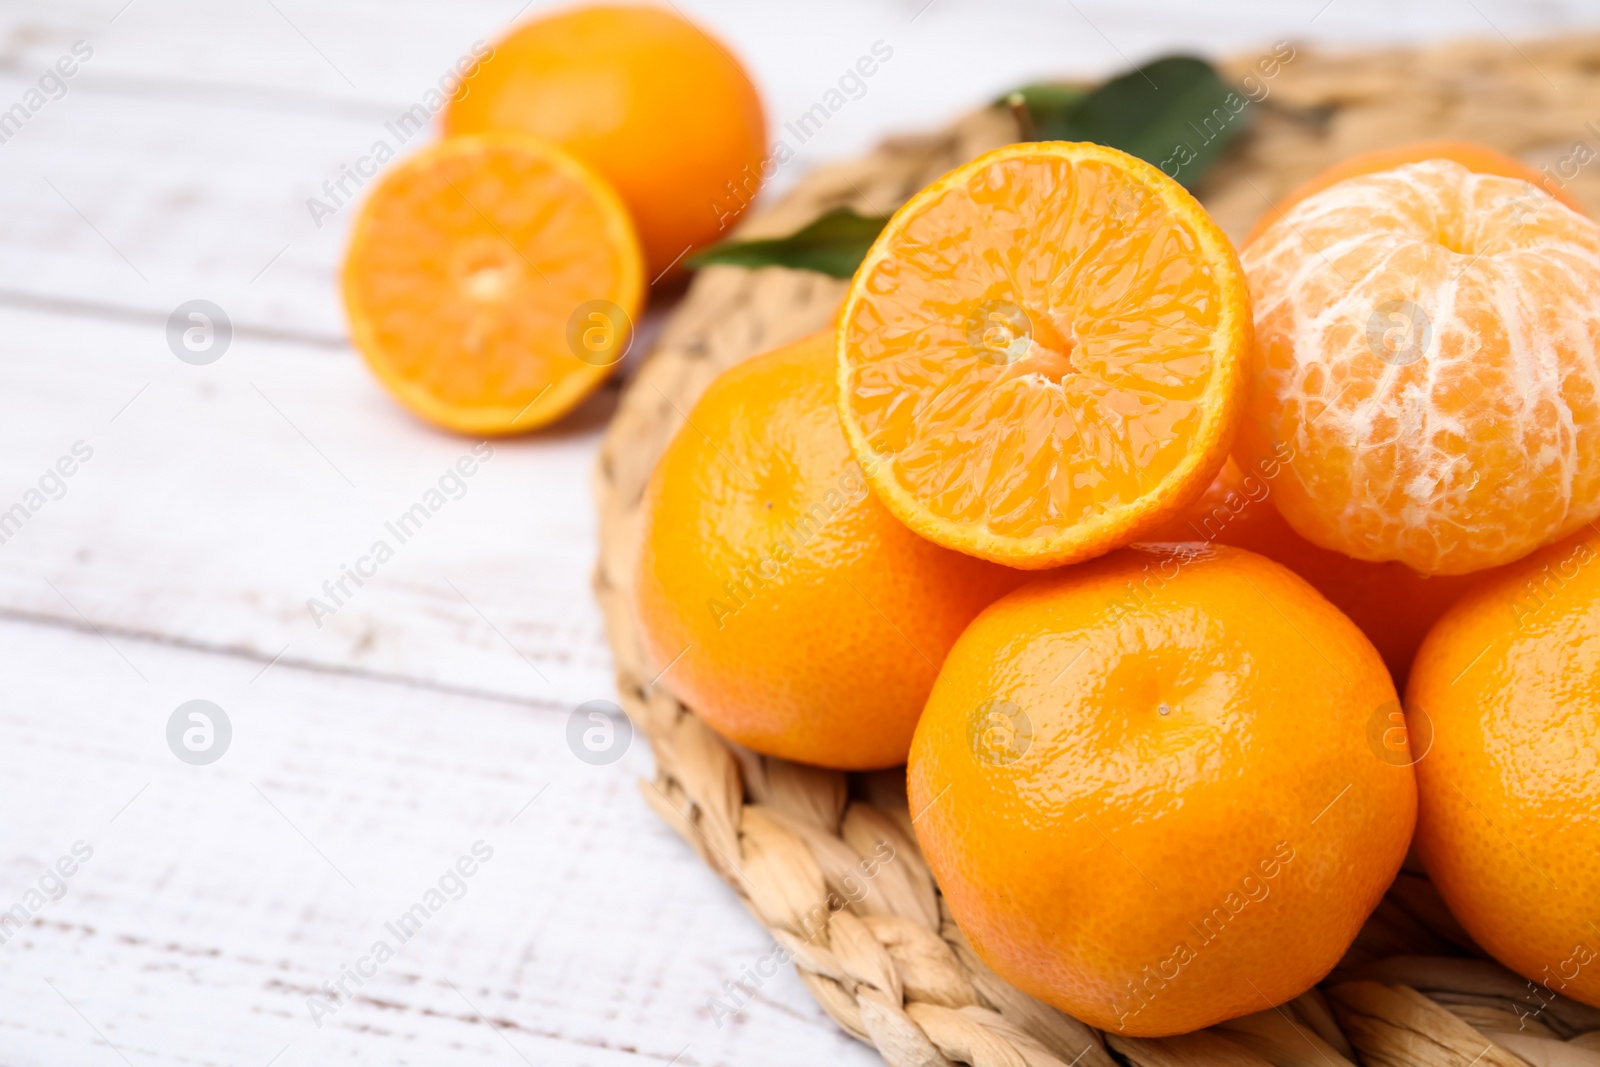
<point x="450" y="886"/>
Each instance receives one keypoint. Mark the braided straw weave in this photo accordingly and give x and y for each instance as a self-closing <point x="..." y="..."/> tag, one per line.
<point x="827" y="862"/>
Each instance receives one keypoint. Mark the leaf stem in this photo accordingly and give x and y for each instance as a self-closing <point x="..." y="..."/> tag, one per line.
<point x="1019" y="111"/>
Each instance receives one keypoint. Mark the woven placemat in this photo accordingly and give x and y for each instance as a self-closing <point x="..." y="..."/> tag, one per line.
<point x="827" y="862"/>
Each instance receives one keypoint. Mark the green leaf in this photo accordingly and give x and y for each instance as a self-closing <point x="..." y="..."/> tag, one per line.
<point x="834" y="244"/>
<point x="1175" y="112"/>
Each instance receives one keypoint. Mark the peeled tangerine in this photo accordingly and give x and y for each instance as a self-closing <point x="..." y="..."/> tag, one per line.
<point x="1426" y="357"/>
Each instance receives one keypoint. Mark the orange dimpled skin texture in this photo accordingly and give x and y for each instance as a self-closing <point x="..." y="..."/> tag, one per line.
<point x="1043" y="354"/>
<point x="1146" y="788"/>
<point x="1391" y="603"/>
<point x="1426" y="345"/>
<point x="1508" y="819"/>
<point x="650" y="101"/>
<point x="473" y="278"/>
<point x="783" y="603"/>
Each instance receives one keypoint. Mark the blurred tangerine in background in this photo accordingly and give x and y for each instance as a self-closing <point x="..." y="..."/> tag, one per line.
<point x="493" y="280"/>
<point x="473" y="273"/>
<point x="656" y="105"/>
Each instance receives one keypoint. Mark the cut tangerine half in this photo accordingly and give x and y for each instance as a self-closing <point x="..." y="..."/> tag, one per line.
<point x="492" y="282"/>
<point x="1043" y="355"/>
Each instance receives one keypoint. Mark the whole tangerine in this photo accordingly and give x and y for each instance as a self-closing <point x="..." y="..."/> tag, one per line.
<point x="651" y="101"/>
<point x="1146" y="786"/>
<point x="1507" y="685"/>
<point x="783" y="603"/>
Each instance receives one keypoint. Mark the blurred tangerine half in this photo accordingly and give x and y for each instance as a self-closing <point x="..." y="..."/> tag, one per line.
<point x="492" y="282"/>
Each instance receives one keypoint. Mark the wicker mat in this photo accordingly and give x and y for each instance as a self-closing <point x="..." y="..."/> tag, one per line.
<point x="887" y="963"/>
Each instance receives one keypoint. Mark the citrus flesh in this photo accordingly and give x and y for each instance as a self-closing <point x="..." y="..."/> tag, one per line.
<point x="1145" y="786"/>
<point x="1043" y="354"/>
<point x="1426" y="346"/>
<point x="780" y="600"/>
<point x="491" y="282"/>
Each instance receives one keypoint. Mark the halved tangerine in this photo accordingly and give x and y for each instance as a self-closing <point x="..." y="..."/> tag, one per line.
<point x="492" y="282"/>
<point x="1043" y="355"/>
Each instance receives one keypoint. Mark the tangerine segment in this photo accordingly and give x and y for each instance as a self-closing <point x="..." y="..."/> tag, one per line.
<point x="1427" y="346"/>
<point x="491" y="282"/>
<point x="1480" y="159"/>
<point x="1042" y="355"/>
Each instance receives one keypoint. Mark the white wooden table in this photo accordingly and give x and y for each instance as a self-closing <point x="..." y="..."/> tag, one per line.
<point x="428" y="717"/>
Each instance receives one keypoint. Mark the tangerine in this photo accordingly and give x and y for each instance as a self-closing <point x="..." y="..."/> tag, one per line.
<point x="1146" y="788"/>
<point x="1426" y="345"/>
<point x="651" y="101"/>
<point x="1507" y="685"/>
<point x="491" y="282"/>
<point x="781" y="600"/>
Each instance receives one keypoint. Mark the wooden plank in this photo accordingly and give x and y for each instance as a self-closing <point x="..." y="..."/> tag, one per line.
<point x="113" y="202"/>
<point x="218" y="898"/>
<point x="219" y="499"/>
<point x="355" y="53"/>
<point x="387" y="51"/>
